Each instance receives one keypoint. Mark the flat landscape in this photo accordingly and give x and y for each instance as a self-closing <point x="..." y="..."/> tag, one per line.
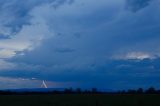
<point x="81" y="100"/>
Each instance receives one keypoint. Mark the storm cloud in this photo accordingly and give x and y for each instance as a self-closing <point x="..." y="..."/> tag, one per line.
<point x="89" y="42"/>
<point x="136" y="5"/>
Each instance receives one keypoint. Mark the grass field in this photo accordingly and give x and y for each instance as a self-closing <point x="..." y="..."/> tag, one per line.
<point x="80" y="100"/>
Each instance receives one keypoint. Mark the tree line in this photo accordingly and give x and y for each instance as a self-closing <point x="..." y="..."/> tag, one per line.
<point x="150" y="90"/>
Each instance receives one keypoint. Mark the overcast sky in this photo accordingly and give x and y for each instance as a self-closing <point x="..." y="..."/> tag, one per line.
<point x="108" y="44"/>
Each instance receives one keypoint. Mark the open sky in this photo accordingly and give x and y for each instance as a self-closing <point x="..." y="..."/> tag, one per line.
<point x="108" y="44"/>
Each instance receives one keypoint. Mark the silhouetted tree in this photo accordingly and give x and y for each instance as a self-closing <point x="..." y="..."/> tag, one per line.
<point x="130" y="91"/>
<point x="158" y="91"/>
<point x="151" y="90"/>
<point x="123" y="92"/>
<point x="140" y="91"/>
<point x="78" y="90"/>
<point x="87" y="91"/>
<point x="94" y="90"/>
<point x="68" y="90"/>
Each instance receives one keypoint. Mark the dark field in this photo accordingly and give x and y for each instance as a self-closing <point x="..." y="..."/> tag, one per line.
<point x="80" y="100"/>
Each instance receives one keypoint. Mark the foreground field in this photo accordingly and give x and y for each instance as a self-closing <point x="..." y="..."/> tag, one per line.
<point x="80" y="100"/>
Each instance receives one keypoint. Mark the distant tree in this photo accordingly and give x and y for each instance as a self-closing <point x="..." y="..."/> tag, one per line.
<point x="94" y="90"/>
<point x="78" y="90"/>
<point x="87" y="91"/>
<point x="68" y="90"/>
<point x="151" y="90"/>
<point x="140" y="91"/>
<point x="130" y="91"/>
<point x="158" y="91"/>
<point x="123" y="92"/>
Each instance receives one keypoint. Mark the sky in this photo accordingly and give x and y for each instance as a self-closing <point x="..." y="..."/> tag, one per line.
<point x="107" y="44"/>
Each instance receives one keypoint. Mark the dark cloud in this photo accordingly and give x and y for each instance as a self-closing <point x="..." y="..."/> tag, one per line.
<point x="136" y="5"/>
<point x="77" y="35"/>
<point x="58" y="3"/>
<point x="71" y="1"/>
<point x="4" y="36"/>
<point x="64" y="50"/>
<point x="118" y="74"/>
<point x="17" y="12"/>
<point x="103" y="31"/>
